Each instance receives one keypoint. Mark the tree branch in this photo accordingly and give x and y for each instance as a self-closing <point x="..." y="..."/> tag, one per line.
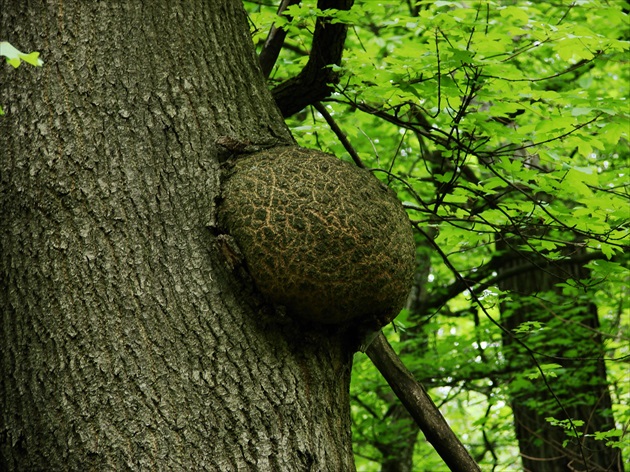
<point x="274" y="42"/>
<point x="479" y="282"/>
<point x="313" y="83"/>
<point x="420" y="406"/>
<point x="339" y="133"/>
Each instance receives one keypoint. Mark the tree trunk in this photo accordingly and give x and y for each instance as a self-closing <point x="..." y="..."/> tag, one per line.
<point x="126" y="342"/>
<point x="397" y="450"/>
<point x="581" y="384"/>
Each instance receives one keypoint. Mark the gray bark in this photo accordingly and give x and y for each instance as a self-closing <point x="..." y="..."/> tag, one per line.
<point x="126" y="342"/>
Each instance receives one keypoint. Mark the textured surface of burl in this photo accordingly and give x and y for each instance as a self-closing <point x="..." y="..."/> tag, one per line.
<point x="321" y="237"/>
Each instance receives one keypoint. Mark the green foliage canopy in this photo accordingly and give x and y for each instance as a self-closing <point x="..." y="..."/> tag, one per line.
<point x="492" y="120"/>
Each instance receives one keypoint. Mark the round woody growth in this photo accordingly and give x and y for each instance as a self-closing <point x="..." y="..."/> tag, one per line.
<point x="322" y="237"/>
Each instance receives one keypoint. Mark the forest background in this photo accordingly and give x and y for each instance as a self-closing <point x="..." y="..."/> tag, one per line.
<point x="503" y="126"/>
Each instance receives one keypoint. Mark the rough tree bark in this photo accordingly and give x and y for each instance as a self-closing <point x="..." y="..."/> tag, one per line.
<point x="126" y="342"/>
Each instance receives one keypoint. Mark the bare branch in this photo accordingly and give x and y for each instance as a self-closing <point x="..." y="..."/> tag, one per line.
<point x="274" y="42"/>
<point x="418" y="403"/>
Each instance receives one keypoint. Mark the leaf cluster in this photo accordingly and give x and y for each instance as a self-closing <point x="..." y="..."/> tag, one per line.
<point x="503" y="126"/>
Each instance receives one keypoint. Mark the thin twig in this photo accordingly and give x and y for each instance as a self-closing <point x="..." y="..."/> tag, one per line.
<point x="339" y="133"/>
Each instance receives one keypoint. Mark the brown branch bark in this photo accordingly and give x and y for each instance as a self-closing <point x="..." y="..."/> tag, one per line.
<point x="274" y="42"/>
<point x="313" y="83"/>
<point x="420" y="406"/>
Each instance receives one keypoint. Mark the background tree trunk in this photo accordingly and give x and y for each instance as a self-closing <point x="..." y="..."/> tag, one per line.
<point x="581" y="385"/>
<point x="126" y="343"/>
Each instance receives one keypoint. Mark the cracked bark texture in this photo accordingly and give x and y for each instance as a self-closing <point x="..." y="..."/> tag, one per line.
<point x="125" y="342"/>
<point x="321" y="237"/>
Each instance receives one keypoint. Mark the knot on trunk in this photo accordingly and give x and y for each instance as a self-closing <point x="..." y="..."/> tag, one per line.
<point x="321" y="237"/>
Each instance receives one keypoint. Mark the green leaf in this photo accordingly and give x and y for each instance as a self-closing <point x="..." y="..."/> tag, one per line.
<point x="578" y="111"/>
<point x="548" y="245"/>
<point x="32" y="58"/>
<point x="528" y="326"/>
<point x="608" y="251"/>
<point x="547" y="369"/>
<point x="516" y="13"/>
<point x="15" y="56"/>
